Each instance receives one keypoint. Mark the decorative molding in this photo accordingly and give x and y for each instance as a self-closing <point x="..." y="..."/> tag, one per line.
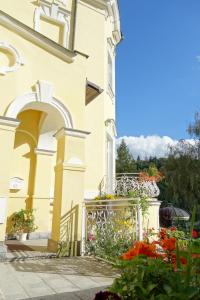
<point x="97" y="3"/>
<point x="18" y="60"/>
<point x="110" y="93"/>
<point x="53" y="12"/>
<point x="75" y="161"/>
<point x="70" y="167"/>
<point x="12" y="122"/>
<point x="111" y="126"/>
<point x="111" y="45"/>
<point x="16" y="183"/>
<point x="113" y="11"/>
<point x="36" y="37"/>
<point x="112" y="8"/>
<point x="61" y="2"/>
<point x="44" y="152"/>
<point x="43" y="89"/>
<point x="71" y="132"/>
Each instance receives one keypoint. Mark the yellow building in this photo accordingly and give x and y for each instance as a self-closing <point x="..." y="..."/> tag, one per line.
<point x="57" y="112"/>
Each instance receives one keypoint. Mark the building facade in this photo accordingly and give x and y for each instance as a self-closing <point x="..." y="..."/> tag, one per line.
<point x="57" y="112"/>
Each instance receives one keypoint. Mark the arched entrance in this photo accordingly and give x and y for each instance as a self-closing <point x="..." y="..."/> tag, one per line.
<point x="34" y="154"/>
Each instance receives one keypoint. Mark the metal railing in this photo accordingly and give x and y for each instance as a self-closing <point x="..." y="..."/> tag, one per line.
<point x="121" y="215"/>
<point x="124" y="182"/>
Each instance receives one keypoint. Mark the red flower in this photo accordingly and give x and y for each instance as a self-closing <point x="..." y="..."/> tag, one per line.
<point x="183" y="260"/>
<point x="163" y="233"/>
<point x="194" y="234"/>
<point x="168" y="244"/>
<point x="173" y="228"/>
<point x="141" y="248"/>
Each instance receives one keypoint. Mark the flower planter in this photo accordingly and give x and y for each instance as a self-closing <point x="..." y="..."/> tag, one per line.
<point x="22" y="237"/>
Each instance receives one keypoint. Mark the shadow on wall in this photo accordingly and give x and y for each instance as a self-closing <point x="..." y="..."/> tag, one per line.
<point x="69" y="232"/>
<point x="25" y="160"/>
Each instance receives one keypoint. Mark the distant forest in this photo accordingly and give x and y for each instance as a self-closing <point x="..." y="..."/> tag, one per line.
<point x="181" y="169"/>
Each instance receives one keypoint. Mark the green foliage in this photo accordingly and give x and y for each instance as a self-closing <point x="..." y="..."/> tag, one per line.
<point x="194" y="128"/>
<point x="142" y="198"/>
<point x="144" y="278"/>
<point x="111" y="240"/>
<point x="125" y="162"/>
<point x="23" y="221"/>
<point x="182" y="177"/>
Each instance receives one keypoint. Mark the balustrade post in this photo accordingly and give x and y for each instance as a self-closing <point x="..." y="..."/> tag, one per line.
<point x="84" y="222"/>
<point x="140" y="223"/>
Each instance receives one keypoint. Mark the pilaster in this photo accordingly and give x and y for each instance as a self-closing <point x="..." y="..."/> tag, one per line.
<point x="69" y="187"/>
<point x="7" y="136"/>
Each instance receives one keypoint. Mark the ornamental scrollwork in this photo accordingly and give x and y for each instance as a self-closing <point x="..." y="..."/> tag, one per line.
<point x="16" y="57"/>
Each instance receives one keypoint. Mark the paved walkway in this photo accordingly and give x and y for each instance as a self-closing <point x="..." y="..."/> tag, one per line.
<point x="29" y="249"/>
<point x="67" y="278"/>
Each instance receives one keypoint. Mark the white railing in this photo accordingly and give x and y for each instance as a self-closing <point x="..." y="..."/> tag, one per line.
<point x="121" y="215"/>
<point x="124" y="182"/>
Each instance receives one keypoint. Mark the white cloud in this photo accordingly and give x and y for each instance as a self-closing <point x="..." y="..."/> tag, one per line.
<point x="148" y="146"/>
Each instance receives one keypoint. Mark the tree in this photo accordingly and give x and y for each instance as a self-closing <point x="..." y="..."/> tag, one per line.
<point x="181" y="186"/>
<point x="125" y="162"/>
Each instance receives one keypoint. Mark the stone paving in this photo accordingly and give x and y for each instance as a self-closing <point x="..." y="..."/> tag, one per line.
<point x="30" y="249"/>
<point x="67" y="278"/>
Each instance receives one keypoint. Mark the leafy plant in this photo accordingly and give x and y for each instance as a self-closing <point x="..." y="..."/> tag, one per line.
<point x="23" y="221"/>
<point x="142" y="199"/>
<point x="159" y="270"/>
<point x="111" y="239"/>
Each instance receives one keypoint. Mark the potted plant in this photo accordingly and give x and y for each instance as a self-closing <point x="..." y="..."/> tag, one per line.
<point x="23" y="222"/>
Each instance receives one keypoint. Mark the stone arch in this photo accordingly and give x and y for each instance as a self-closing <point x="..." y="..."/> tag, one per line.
<point x="43" y="94"/>
<point x="42" y="99"/>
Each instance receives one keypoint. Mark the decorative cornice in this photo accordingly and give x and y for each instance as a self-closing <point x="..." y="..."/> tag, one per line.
<point x="71" y="132"/>
<point x="9" y="122"/>
<point x="97" y="3"/>
<point x="113" y="11"/>
<point x="112" y="8"/>
<point x="36" y="38"/>
<point x="44" y="152"/>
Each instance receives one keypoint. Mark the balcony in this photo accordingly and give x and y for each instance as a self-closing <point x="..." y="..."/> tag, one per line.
<point x="124" y="182"/>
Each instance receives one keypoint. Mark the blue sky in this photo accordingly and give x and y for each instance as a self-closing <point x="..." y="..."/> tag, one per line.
<point x="158" y="73"/>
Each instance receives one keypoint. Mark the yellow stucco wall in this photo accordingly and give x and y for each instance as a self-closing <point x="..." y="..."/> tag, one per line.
<point x="88" y="155"/>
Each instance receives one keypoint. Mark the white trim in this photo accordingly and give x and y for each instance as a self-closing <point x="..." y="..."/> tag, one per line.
<point x="110" y="162"/>
<point x="113" y="11"/>
<point x="44" y="93"/>
<point x="71" y="132"/>
<point x="18" y="60"/>
<point x="53" y="12"/>
<point x="111" y="127"/>
<point x="44" y="152"/>
<point x="97" y="3"/>
<point x="36" y="38"/>
<point x="12" y="122"/>
<point x="75" y="161"/>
